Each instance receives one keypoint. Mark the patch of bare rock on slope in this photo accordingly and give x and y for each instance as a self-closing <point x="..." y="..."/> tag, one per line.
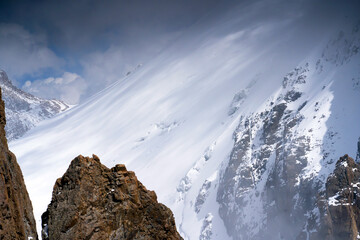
<point x="92" y="201"/>
<point x="16" y="213"/>
<point x="341" y="210"/>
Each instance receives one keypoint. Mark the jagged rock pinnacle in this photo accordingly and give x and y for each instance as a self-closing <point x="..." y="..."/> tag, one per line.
<point x="92" y="201"/>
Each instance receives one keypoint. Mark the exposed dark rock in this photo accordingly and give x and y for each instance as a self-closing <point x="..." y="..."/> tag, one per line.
<point x="203" y="194"/>
<point x="16" y="215"/>
<point x="297" y="76"/>
<point x="341" y="204"/>
<point x="92" y="201"/>
<point x="206" y="229"/>
<point x="260" y="190"/>
<point x="302" y="106"/>
<point x="236" y="102"/>
<point x="280" y="156"/>
<point x="346" y="46"/>
<point x="292" y="96"/>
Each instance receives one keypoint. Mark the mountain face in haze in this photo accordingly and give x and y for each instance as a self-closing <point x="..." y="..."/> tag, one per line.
<point x="23" y="110"/>
<point x="283" y="154"/>
<point x="237" y="127"/>
<point x="92" y="201"/>
<point x="16" y="213"/>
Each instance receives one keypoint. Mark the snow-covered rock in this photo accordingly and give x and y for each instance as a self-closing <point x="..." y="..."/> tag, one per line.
<point x="285" y="150"/>
<point x="236" y="126"/>
<point x="23" y="110"/>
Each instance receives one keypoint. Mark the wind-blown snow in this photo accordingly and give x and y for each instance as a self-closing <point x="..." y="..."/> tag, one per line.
<point x="172" y="120"/>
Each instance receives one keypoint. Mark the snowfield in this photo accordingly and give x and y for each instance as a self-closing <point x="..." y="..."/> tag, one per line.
<point x="173" y="120"/>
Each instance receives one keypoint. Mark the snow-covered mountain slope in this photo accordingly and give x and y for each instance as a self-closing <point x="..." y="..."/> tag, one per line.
<point x="221" y="122"/>
<point x="23" y="110"/>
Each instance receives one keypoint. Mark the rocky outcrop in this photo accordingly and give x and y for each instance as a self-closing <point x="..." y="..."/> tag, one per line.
<point x="92" y="201"/>
<point x="260" y="188"/>
<point x="274" y="184"/>
<point x="273" y="180"/>
<point x="341" y="206"/>
<point x="23" y="110"/>
<point x="16" y="214"/>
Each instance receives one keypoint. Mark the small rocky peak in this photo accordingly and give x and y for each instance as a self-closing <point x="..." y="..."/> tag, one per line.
<point x="91" y="201"/>
<point x="342" y="215"/>
<point x="347" y="165"/>
<point x="119" y="168"/>
<point x="345" y="176"/>
<point x="296" y="77"/>
<point x="292" y="83"/>
<point x="4" y="79"/>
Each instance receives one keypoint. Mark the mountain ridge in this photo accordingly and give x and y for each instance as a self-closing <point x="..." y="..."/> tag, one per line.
<point x="23" y="110"/>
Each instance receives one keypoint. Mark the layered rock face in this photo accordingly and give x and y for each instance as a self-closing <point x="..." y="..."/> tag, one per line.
<point x="92" y="201"/>
<point x="16" y="213"/>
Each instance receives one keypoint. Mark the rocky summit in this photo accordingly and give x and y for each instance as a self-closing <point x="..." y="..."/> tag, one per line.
<point x="16" y="213"/>
<point x="92" y="201"/>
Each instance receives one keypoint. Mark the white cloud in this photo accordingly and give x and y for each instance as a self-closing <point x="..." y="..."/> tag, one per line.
<point x="103" y="68"/>
<point x="68" y="88"/>
<point x="24" y="53"/>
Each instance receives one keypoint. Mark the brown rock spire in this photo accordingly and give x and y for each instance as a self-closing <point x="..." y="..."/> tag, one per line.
<point x="92" y="201"/>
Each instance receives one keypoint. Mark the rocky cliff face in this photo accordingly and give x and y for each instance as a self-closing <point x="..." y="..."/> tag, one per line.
<point x="277" y="174"/>
<point x="93" y="202"/>
<point x="23" y="110"/>
<point x="263" y="177"/>
<point x="16" y="214"/>
<point x="340" y="211"/>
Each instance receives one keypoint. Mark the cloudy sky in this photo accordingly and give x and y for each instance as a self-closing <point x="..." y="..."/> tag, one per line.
<point x="71" y="49"/>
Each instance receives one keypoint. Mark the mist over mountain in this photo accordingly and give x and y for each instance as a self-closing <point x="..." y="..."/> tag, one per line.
<point x="245" y="121"/>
